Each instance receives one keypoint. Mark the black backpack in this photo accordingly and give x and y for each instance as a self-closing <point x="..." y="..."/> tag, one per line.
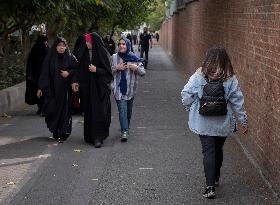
<point x="213" y="102"/>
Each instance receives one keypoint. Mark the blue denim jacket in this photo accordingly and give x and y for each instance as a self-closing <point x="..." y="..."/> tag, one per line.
<point x="214" y="125"/>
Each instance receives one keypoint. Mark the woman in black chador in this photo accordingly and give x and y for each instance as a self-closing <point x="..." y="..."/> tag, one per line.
<point x="93" y="79"/>
<point x="55" y="84"/>
<point x="33" y="70"/>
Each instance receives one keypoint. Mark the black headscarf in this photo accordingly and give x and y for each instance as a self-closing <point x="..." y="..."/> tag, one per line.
<point x="53" y="64"/>
<point x="101" y="57"/>
<point x="80" y="47"/>
<point x="36" y="58"/>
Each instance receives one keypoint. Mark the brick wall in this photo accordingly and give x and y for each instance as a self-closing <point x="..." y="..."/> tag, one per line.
<point x="250" y="31"/>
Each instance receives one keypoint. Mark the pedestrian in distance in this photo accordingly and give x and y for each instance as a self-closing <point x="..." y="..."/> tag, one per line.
<point x="135" y="40"/>
<point x="157" y="37"/>
<point x="55" y="85"/>
<point x="214" y="101"/>
<point x="129" y="37"/>
<point x="93" y="79"/>
<point x="109" y="44"/>
<point x="33" y="70"/>
<point x="126" y="68"/>
<point x="145" y="43"/>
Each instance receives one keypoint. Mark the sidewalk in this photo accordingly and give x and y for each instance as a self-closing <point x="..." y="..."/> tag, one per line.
<point x="160" y="164"/>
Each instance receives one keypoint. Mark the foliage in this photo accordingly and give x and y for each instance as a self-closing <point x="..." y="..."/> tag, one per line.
<point x="14" y="72"/>
<point x="156" y="17"/>
<point x="68" y="18"/>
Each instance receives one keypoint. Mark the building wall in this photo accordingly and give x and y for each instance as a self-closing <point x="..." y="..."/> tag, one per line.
<point x="250" y="31"/>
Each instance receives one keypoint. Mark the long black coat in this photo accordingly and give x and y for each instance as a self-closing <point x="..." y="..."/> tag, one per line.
<point x="95" y="90"/>
<point x="33" y="69"/>
<point x="57" y="90"/>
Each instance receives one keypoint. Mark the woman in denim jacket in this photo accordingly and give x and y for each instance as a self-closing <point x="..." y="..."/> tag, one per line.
<point x="126" y="69"/>
<point x="213" y="130"/>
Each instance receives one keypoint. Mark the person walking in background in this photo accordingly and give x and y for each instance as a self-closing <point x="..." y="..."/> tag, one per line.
<point x="145" y="43"/>
<point x="129" y="37"/>
<point x="109" y="44"/>
<point x="213" y="97"/>
<point x="55" y="85"/>
<point x="33" y="70"/>
<point x="157" y="37"/>
<point x="134" y="39"/>
<point x="93" y="79"/>
<point x="126" y="68"/>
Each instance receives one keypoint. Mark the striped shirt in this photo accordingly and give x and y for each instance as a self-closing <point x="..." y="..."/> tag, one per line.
<point x="131" y="77"/>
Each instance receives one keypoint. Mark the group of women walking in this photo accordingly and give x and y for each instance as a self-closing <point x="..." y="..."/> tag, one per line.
<point x="94" y="73"/>
<point x="212" y="95"/>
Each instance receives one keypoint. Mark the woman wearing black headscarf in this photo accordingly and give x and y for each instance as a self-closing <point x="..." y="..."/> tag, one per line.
<point x="33" y="70"/>
<point x="55" y="84"/>
<point x="79" y="48"/>
<point x="93" y="79"/>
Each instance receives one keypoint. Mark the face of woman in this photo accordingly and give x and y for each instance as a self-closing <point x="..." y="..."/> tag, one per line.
<point x="122" y="46"/>
<point x="89" y="44"/>
<point x="61" y="47"/>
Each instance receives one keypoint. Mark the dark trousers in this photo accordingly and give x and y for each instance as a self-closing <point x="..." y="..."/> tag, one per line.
<point x="146" y="51"/>
<point x="212" y="150"/>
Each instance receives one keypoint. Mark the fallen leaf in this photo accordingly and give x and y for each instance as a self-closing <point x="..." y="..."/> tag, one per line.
<point x="11" y="183"/>
<point x="6" y="115"/>
<point x="77" y="150"/>
<point x="50" y="146"/>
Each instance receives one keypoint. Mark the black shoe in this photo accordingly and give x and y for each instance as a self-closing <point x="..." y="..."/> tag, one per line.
<point x="55" y="136"/>
<point x="97" y="144"/>
<point x="39" y="111"/>
<point x="217" y="182"/>
<point x="61" y="139"/>
<point x="209" y="192"/>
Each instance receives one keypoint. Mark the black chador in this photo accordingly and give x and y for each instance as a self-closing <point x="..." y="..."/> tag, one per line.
<point x="57" y="89"/>
<point x="33" y="70"/>
<point x="95" y="89"/>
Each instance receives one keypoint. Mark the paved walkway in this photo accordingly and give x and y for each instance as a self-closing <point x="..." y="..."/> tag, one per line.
<point x="160" y="164"/>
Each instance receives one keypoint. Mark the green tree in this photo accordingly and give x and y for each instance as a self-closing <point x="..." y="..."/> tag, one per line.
<point x="156" y="17"/>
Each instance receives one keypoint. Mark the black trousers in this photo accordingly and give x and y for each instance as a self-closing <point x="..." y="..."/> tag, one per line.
<point x="146" y="51"/>
<point x="212" y="150"/>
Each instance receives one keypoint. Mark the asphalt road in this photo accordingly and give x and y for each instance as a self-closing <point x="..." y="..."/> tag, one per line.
<point x="160" y="164"/>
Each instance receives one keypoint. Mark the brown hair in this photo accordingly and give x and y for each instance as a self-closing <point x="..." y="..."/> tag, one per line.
<point x="217" y="58"/>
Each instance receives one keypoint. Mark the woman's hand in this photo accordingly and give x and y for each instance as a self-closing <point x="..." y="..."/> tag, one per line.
<point x="92" y="68"/>
<point x="39" y="93"/>
<point x="75" y="87"/>
<point x="64" y="73"/>
<point x="132" y="66"/>
<point x="121" y="66"/>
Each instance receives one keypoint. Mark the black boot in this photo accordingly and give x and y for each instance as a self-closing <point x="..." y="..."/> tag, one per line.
<point x="97" y="143"/>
